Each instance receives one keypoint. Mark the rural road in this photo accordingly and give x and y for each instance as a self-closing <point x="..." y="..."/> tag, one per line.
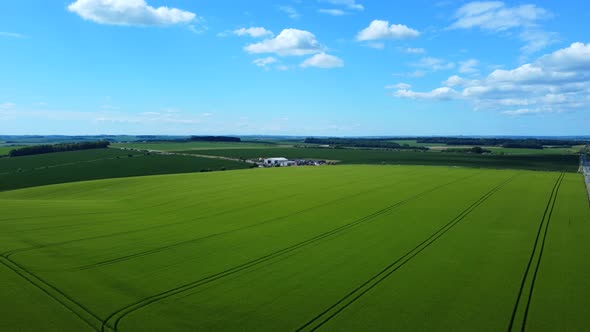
<point x="189" y="155"/>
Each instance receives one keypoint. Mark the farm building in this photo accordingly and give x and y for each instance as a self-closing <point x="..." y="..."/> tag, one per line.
<point x="280" y="161"/>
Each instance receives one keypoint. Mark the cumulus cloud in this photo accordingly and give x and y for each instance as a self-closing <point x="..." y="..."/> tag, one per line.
<point x="288" y="43"/>
<point x="454" y="80"/>
<point x="556" y="82"/>
<point x="383" y="30"/>
<point x="129" y="12"/>
<point x="255" y="32"/>
<point x="323" y="60"/>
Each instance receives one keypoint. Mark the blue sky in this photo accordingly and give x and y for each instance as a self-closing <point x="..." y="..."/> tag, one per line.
<point x="305" y="67"/>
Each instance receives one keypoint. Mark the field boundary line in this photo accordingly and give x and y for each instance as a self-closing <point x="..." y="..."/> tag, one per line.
<point x="537" y="246"/>
<point x="57" y="295"/>
<point x="118" y="315"/>
<point x="351" y="297"/>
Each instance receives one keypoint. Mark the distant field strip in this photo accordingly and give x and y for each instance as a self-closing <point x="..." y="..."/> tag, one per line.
<point x="348" y="248"/>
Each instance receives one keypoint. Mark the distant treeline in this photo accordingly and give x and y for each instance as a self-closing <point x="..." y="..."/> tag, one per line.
<point x="215" y="139"/>
<point x="529" y="143"/>
<point x="362" y="143"/>
<point x="475" y="149"/>
<point x="46" y="148"/>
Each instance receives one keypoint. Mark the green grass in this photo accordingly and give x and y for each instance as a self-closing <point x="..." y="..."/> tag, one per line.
<point x="51" y="168"/>
<point x="4" y="150"/>
<point x="339" y="248"/>
<point x="179" y="146"/>
<point x="364" y="156"/>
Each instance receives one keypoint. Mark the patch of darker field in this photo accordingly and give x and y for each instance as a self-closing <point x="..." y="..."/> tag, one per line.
<point x="71" y="166"/>
<point x="553" y="162"/>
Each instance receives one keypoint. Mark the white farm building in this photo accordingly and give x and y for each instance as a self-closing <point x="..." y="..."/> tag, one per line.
<point x="274" y="162"/>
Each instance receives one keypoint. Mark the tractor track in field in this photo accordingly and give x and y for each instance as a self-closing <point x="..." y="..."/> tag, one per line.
<point x="351" y="297"/>
<point x="9" y="253"/>
<point x="82" y="312"/>
<point x="530" y="274"/>
<point x="197" y="239"/>
<point x="113" y="320"/>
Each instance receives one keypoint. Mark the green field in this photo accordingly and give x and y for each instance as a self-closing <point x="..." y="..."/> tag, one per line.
<point x="555" y="162"/>
<point x="180" y="146"/>
<point x="4" y="150"/>
<point x="351" y="248"/>
<point x="51" y="168"/>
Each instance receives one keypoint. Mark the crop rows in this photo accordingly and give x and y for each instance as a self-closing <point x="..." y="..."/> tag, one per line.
<point x="344" y="248"/>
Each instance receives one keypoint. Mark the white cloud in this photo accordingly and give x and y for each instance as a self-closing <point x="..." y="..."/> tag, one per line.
<point x="349" y="4"/>
<point x="574" y="58"/>
<point x="444" y="93"/>
<point x="454" y="81"/>
<point x="290" y="11"/>
<point x="556" y="82"/>
<point x="129" y="12"/>
<point x="468" y="66"/>
<point x="401" y="86"/>
<point x="12" y="34"/>
<point x="523" y="111"/>
<point x="415" y="50"/>
<point x="496" y="16"/>
<point x="323" y="60"/>
<point x="263" y="62"/>
<point x="418" y="73"/>
<point x="333" y="12"/>
<point x="255" y="32"/>
<point x="383" y="30"/>
<point x="536" y="40"/>
<point x="434" y="64"/>
<point x="288" y="42"/>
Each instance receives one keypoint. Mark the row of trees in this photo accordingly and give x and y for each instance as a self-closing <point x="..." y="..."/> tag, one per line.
<point x="215" y="139"/>
<point x="528" y="143"/>
<point x="361" y="143"/>
<point x="49" y="148"/>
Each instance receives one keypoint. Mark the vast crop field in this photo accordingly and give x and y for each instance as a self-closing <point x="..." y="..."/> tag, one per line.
<point x="299" y="249"/>
<point x="552" y="162"/>
<point x="61" y="167"/>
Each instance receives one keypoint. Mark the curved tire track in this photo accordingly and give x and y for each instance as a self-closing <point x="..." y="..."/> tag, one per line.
<point x="113" y="320"/>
